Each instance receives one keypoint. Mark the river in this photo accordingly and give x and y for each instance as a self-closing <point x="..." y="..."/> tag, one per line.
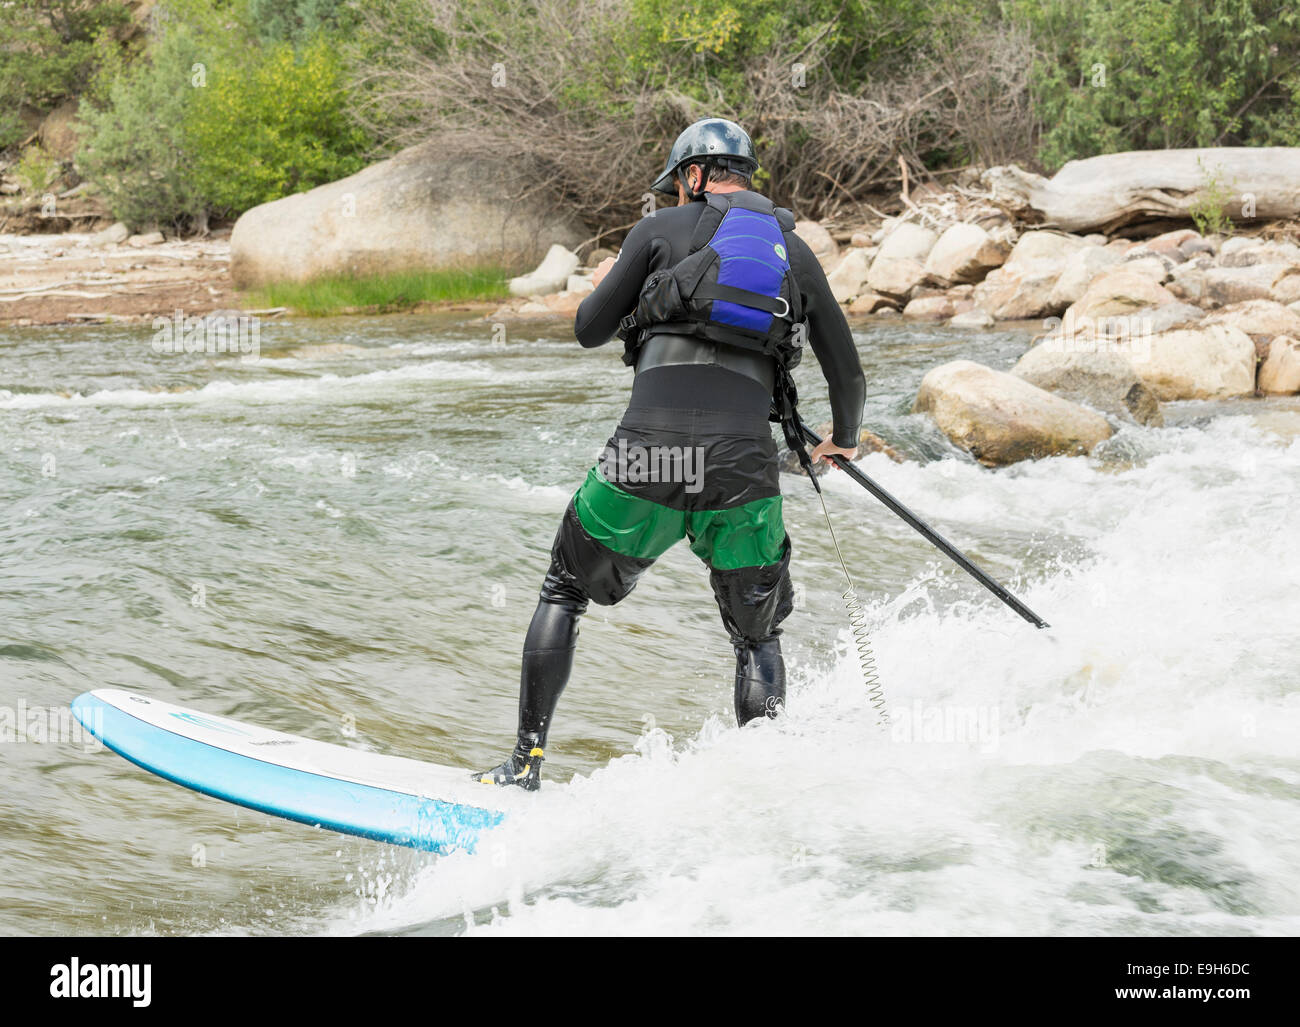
<point x="345" y="538"/>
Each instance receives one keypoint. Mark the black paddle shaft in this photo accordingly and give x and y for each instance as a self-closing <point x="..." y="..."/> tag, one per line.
<point x="931" y="536"/>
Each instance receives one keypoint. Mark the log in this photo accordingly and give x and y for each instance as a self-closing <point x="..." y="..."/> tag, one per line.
<point x="1120" y="190"/>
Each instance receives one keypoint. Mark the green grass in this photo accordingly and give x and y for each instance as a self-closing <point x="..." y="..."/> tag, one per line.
<point x="381" y="293"/>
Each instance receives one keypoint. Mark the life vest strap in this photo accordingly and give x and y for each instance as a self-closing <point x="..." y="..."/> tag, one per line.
<point x="743" y="297"/>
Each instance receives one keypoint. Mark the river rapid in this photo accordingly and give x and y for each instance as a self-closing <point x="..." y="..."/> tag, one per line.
<point x="344" y="539"/>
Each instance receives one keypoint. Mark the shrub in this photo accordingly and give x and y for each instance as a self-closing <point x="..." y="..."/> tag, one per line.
<point x="272" y="124"/>
<point x="1153" y="74"/>
<point x="49" y="52"/>
<point x="134" y="150"/>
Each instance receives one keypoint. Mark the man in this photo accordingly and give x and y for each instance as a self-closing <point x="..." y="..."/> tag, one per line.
<point x="710" y="296"/>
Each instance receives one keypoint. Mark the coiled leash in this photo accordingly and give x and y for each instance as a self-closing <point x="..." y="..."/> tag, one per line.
<point x="785" y="401"/>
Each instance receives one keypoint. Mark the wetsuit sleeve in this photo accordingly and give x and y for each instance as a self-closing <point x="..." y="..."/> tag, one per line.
<point x="832" y="344"/>
<point x="616" y="296"/>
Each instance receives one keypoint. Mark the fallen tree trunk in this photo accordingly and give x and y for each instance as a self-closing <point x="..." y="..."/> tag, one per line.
<point x="1117" y="190"/>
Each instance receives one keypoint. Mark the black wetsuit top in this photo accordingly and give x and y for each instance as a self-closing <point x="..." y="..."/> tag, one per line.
<point x="663" y="239"/>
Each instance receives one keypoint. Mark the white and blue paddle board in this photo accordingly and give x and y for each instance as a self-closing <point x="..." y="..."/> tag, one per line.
<point x="388" y="798"/>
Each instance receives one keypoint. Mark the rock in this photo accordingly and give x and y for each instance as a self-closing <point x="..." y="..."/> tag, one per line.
<point x="972" y="319"/>
<point x="964" y="253"/>
<point x="599" y="255"/>
<point x="1225" y="286"/>
<point x="860" y="239"/>
<point x="1236" y="244"/>
<point x="1104" y="380"/>
<point x="1150" y="320"/>
<point x="1280" y="372"/>
<point x="1118" y="189"/>
<point x="113" y="235"/>
<point x="1259" y="253"/>
<point x="870" y="302"/>
<point x="415" y="211"/>
<point x="1024" y="286"/>
<point x="1156" y="268"/>
<point x="1008" y="296"/>
<point x="1118" y="291"/>
<point x="1188" y="281"/>
<point x="907" y="242"/>
<point x="1286" y="286"/>
<point x="1259" y="317"/>
<point x="1198" y="363"/>
<point x="549" y="276"/>
<point x="146" y="239"/>
<point x="1195" y="247"/>
<point x="894" y="276"/>
<point x="849" y="279"/>
<point x="1169" y="244"/>
<point x="580" y="284"/>
<point x="930" y="308"/>
<point x="1080" y="268"/>
<point x="999" y="418"/>
<point x="818" y="239"/>
<point x="897" y="268"/>
<point x="563" y="302"/>
<point x="1043" y="251"/>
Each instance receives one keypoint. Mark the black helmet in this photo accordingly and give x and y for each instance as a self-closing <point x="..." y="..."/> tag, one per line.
<point x="724" y="142"/>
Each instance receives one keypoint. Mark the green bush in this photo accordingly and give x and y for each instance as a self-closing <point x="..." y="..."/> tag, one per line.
<point x="134" y="149"/>
<point x="50" y="50"/>
<point x="298" y="21"/>
<point x="208" y="121"/>
<point x="1154" y="74"/>
<point x="272" y="123"/>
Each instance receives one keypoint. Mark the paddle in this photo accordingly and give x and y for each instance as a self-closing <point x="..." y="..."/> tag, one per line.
<point x="930" y="535"/>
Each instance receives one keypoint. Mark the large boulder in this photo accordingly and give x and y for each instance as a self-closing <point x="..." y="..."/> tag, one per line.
<point x="1280" y="372"/>
<point x="1117" y="189"/>
<point x="999" y="418"/>
<point x="1211" y="362"/>
<point x="415" y="211"/>
<point x="1092" y="375"/>
<point x="964" y="253"/>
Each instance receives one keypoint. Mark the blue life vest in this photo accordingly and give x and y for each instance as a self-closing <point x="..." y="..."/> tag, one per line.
<point x="734" y="286"/>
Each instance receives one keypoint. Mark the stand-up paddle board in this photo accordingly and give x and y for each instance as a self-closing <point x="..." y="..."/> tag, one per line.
<point x="388" y="798"/>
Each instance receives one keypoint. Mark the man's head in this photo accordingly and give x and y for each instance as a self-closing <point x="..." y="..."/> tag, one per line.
<point x="711" y="152"/>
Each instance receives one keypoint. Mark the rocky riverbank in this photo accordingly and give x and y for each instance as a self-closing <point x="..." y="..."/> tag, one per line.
<point x="1129" y="320"/>
<point x="85" y="278"/>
